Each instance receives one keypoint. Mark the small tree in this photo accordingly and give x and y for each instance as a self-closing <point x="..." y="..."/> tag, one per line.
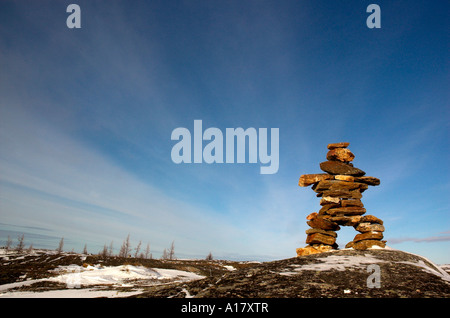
<point x="8" y="243"/>
<point x="85" y="249"/>
<point x="60" y="246"/>
<point x="209" y="257"/>
<point x="147" y="251"/>
<point x="125" y="248"/>
<point x="30" y="249"/>
<point x="172" y="251"/>
<point x="20" y="244"/>
<point x="104" y="252"/>
<point x="164" y="255"/>
<point x="110" y="250"/>
<point x="138" y="247"/>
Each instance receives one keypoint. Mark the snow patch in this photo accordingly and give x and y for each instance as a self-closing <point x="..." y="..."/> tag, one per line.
<point x="71" y="293"/>
<point x="75" y="276"/>
<point x="337" y="262"/>
<point x="439" y="272"/>
<point x="445" y="267"/>
<point x="116" y="275"/>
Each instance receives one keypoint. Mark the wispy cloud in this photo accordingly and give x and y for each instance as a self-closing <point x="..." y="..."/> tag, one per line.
<point x="429" y="239"/>
<point x="51" y="180"/>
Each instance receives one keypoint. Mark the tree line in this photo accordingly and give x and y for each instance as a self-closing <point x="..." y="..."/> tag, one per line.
<point x="20" y="246"/>
<point x="125" y="251"/>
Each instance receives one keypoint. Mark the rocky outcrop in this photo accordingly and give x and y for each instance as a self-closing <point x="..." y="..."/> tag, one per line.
<point x="340" y="190"/>
<point x="332" y="274"/>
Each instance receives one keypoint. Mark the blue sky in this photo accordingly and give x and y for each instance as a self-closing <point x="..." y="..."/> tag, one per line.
<point x="86" y="117"/>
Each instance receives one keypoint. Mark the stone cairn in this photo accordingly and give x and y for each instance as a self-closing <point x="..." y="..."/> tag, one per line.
<point x="340" y="189"/>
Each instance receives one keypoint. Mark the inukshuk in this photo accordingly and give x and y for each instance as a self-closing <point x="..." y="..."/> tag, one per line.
<point x="340" y="189"/>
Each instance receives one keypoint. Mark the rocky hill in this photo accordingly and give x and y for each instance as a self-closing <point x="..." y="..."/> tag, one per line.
<point x="372" y="273"/>
<point x="337" y="274"/>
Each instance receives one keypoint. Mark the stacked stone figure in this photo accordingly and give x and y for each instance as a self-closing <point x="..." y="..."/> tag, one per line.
<point x="340" y="190"/>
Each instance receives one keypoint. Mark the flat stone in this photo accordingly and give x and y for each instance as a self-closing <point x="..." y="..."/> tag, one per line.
<point x="352" y="202"/>
<point x="311" y="216"/>
<point x="338" y="185"/>
<point x="344" y="178"/>
<point x="355" y="194"/>
<point x="308" y="179"/>
<point x="368" y="236"/>
<point x="318" y="222"/>
<point x="371" y="219"/>
<point x="349" y="210"/>
<point x="349" y="244"/>
<point x="364" y="245"/>
<point x="372" y="181"/>
<point x="319" y="238"/>
<point x="368" y="227"/>
<point x="368" y="180"/>
<point x="329" y="200"/>
<point x="338" y="145"/>
<point x="314" y="249"/>
<point x="346" y="220"/>
<point x="330" y="233"/>
<point x="340" y="154"/>
<point x="326" y="207"/>
<point x="341" y="168"/>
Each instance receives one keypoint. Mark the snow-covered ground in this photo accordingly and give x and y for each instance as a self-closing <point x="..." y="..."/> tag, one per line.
<point x="92" y="280"/>
<point x="445" y="267"/>
<point x="78" y="277"/>
<point x="71" y="293"/>
<point x="75" y="275"/>
<point x="340" y="263"/>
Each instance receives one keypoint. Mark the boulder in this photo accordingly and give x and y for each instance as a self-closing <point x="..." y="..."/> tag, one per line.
<point x="340" y="154"/>
<point x="341" y="168"/>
